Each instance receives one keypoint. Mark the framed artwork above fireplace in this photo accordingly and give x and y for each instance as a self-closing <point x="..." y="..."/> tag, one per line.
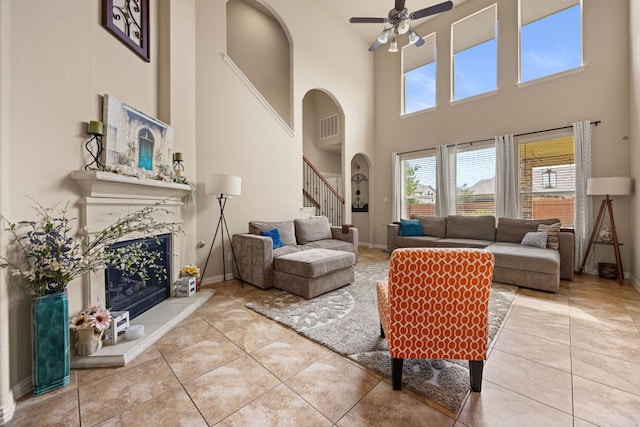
<point x="135" y="143"/>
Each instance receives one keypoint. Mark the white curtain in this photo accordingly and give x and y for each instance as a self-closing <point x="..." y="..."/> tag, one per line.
<point x="583" y="221"/>
<point x="445" y="180"/>
<point x="506" y="178"/>
<point x="396" y="187"/>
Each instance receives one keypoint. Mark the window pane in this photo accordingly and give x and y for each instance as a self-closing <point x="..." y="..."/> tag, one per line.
<point x="551" y="45"/>
<point x="419" y="182"/>
<point x="475" y="181"/>
<point x="475" y="70"/>
<point x="420" y="88"/>
<point x="548" y="179"/>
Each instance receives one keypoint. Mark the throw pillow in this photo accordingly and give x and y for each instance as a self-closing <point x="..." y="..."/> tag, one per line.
<point x="537" y="239"/>
<point x="410" y="227"/>
<point x="275" y="237"/>
<point x="553" y="234"/>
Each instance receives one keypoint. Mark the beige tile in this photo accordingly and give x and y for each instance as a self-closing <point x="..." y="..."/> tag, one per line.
<point x="604" y="405"/>
<point x="538" y="382"/>
<point x="125" y="390"/>
<point x="607" y="370"/>
<point x="602" y="319"/>
<point x="620" y="345"/>
<point x="332" y="385"/>
<point x="550" y="326"/>
<point x="186" y="334"/>
<point x="256" y="335"/>
<point x="233" y="318"/>
<point x="221" y="392"/>
<point x="546" y="352"/>
<point x="289" y="355"/>
<point x="279" y="407"/>
<point x="173" y="408"/>
<point x="496" y="406"/>
<point x="384" y="406"/>
<point x="54" y="408"/>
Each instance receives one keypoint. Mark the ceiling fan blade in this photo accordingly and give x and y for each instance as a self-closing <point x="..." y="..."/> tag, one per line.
<point x="428" y="11"/>
<point x="420" y="42"/>
<point x="376" y="44"/>
<point x="368" y="20"/>
<point x="399" y="5"/>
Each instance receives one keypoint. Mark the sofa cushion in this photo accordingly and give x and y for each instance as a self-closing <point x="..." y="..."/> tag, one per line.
<point x="537" y="239"/>
<point x="462" y="243"/>
<point x="410" y="227"/>
<point x="416" y="241"/>
<point x="526" y="258"/>
<point x="314" y="262"/>
<point x="333" y="244"/>
<point x="553" y="234"/>
<point x="312" y="229"/>
<point x="285" y="228"/>
<point x="275" y="237"/>
<point x="513" y="230"/>
<point x="472" y="227"/>
<point x="286" y="249"/>
<point x="432" y="225"/>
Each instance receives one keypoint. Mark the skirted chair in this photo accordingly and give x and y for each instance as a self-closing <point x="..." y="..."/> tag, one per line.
<point x="435" y="305"/>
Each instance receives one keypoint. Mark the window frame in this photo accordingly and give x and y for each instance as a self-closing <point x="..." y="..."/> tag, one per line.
<point x="403" y="100"/>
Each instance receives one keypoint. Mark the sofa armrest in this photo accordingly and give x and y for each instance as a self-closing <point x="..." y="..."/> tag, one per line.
<point x="351" y="237"/>
<point x="566" y="248"/>
<point x="254" y="254"/>
<point x="392" y="231"/>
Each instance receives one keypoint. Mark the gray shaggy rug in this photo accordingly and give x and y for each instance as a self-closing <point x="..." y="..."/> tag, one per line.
<point x="346" y="321"/>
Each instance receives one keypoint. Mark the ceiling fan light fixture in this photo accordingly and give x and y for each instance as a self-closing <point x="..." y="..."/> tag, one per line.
<point x="403" y="27"/>
<point x="384" y="37"/>
<point x="394" y="46"/>
<point x="413" y="37"/>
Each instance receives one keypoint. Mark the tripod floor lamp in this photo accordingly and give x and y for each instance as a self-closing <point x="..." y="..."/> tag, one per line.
<point x="223" y="187"/>
<point x="611" y="186"/>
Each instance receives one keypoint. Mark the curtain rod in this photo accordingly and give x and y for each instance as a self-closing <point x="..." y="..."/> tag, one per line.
<point x="596" y="123"/>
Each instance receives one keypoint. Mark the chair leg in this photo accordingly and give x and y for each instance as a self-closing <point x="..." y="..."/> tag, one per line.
<point x="381" y="331"/>
<point x="396" y="373"/>
<point x="475" y="374"/>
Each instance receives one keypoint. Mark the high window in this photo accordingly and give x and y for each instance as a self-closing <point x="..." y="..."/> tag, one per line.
<point x="419" y="75"/>
<point x="476" y="180"/>
<point x="418" y="184"/>
<point x="550" y="37"/>
<point x="548" y="179"/>
<point x="474" y="54"/>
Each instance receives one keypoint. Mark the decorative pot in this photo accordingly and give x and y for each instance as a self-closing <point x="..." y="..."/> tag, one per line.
<point x="51" y="361"/>
<point x="88" y="341"/>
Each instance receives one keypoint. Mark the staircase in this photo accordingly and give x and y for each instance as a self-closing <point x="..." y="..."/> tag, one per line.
<point x="318" y="194"/>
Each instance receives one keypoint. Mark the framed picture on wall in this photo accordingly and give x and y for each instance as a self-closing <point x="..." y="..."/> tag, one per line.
<point x="128" y="21"/>
<point x="134" y="142"/>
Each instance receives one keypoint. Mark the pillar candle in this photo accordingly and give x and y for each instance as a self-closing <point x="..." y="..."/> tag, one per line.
<point x="95" y="127"/>
<point x="177" y="157"/>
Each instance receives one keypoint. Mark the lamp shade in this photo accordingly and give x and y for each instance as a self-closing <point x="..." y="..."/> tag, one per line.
<point x="611" y="186"/>
<point x="223" y="185"/>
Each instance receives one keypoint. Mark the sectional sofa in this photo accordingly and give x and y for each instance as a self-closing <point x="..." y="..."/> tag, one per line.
<point x="515" y="263"/>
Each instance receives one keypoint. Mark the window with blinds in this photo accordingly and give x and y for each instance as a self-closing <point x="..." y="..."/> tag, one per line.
<point x="548" y="179"/>
<point x="474" y="54"/>
<point x="419" y="75"/>
<point x="550" y="37"/>
<point x="476" y="180"/>
<point x="418" y="193"/>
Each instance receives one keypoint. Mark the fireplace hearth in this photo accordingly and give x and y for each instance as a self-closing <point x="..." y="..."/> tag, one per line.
<point x="132" y="294"/>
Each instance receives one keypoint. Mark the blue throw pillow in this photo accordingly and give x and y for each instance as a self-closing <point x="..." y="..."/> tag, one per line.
<point x="410" y="227"/>
<point x="275" y="236"/>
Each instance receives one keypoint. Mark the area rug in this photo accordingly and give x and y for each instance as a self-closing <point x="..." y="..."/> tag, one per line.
<point x="346" y="321"/>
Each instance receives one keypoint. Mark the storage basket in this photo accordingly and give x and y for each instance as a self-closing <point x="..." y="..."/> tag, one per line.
<point x="608" y="270"/>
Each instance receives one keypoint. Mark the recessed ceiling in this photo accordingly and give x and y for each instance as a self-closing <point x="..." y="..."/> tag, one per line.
<point x="374" y="8"/>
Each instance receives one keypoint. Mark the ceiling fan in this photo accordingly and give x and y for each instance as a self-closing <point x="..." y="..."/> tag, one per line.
<point x="397" y="18"/>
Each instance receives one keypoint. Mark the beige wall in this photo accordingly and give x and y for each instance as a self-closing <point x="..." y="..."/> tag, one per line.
<point x="634" y="134"/>
<point x="316" y="106"/>
<point x="599" y="92"/>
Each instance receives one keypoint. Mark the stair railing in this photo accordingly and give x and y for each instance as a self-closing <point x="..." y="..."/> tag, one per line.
<point x="319" y="194"/>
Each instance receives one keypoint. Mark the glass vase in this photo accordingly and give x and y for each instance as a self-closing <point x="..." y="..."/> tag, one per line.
<point x="51" y="360"/>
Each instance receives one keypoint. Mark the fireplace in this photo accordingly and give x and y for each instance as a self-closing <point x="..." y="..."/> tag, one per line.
<point x="132" y="294"/>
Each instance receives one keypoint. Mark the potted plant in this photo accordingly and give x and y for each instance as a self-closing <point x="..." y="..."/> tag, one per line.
<point x="47" y="256"/>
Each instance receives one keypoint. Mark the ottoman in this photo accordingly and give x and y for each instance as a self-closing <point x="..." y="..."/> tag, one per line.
<point x="313" y="272"/>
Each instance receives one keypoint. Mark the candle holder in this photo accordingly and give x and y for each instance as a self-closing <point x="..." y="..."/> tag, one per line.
<point x="96" y="130"/>
<point x="178" y="167"/>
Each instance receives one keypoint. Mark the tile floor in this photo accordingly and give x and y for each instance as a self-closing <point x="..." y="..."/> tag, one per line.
<point x="565" y="359"/>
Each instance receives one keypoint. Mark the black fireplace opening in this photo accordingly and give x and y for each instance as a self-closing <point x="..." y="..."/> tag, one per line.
<point x="133" y="294"/>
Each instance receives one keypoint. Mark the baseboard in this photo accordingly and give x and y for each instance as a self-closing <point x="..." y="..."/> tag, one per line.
<point x="634" y="282"/>
<point x="23" y="388"/>
<point x="7" y="410"/>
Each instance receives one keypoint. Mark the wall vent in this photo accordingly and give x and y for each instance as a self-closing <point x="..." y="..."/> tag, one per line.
<point x="329" y="127"/>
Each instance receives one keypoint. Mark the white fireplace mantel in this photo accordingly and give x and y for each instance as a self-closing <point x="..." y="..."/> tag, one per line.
<point x="107" y="184"/>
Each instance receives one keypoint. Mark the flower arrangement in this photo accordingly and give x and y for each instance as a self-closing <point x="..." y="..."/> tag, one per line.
<point x="47" y="256"/>
<point x="92" y="316"/>
<point x="190" y="270"/>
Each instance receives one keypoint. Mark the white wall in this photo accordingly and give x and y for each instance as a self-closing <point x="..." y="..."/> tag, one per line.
<point x="599" y="92"/>
<point x="634" y="136"/>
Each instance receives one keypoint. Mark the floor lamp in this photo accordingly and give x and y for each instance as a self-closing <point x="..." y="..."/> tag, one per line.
<point x="611" y="186"/>
<point x="223" y="187"/>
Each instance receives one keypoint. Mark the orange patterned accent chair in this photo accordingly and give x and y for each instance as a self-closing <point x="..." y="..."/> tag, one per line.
<point x="435" y="305"/>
